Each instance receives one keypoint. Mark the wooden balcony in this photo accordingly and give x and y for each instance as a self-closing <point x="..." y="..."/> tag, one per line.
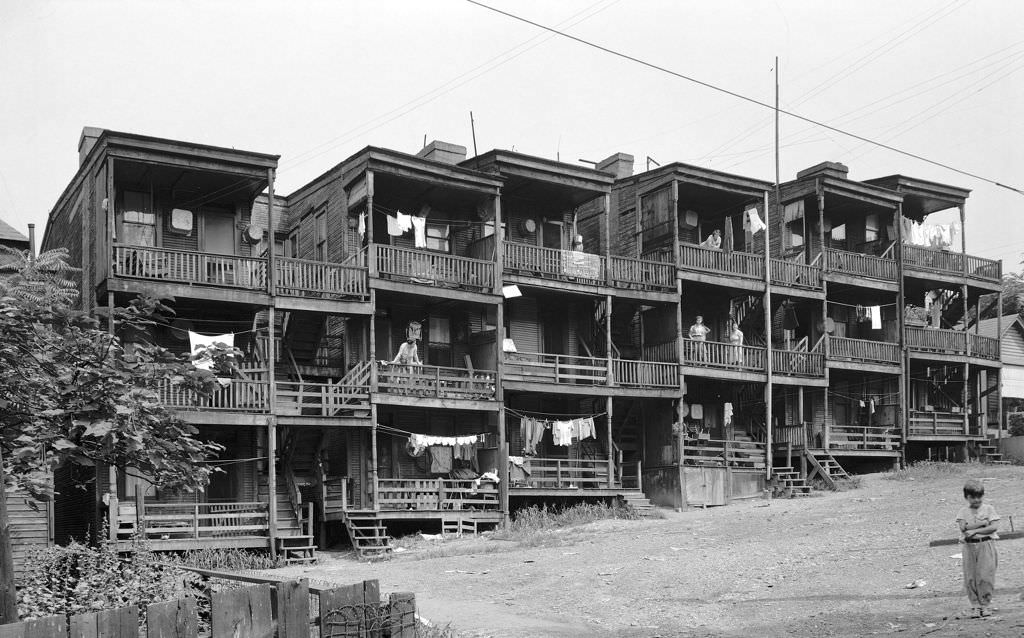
<point x="177" y="526"/>
<point x="567" y="474"/>
<point x="798" y="363"/>
<point x="643" y="274"/>
<point x="723" y="453"/>
<point x="187" y="267"/>
<point x="864" y="437"/>
<point x="555" y="368"/>
<point x="557" y="265"/>
<point x="860" y="265"/>
<point x="435" y="382"/>
<point x="436" y="494"/>
<point x="239" y="396"/>
<point x="645" y="374"/>
<point x="987" y="270"/>
<point x="302" y="398"/>
<point x="304" y="278"/>
<point x="738" y="264"/>
<point x="430" y="268"/>
<point x="983" y="347"/>
<point x="796" y="275"/>
<point x="863" y="351"/>
<point x="943" y="262"/>
<point x="938" y="424"/>
<point x="665" y="352"/>
<point x="723" y="356"/>
<point x="935" y="340"/>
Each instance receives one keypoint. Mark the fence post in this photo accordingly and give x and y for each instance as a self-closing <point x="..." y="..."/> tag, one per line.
<point x="293" y="609"/>
<point x="171" y="619"/>
<point x="403" y="615"/>
<point x="195" y="520"/>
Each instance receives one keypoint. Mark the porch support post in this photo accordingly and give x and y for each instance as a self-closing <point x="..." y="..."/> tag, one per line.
<point x="272" y="480"/>
<point x="998" y="371"/>
<point x="371" y="350"/>
<point x="111" y="236"/>
<point x="767" y="304"/>
<point x="610" y="374"/>
<point x="901" y="302"/>
<point x="272" y="236"/>
<point x="611" y="450"/>
<point x="371" y="254"/>
<point x="680" y="440"/>
<point x="499" y="390"/>
<point x="373" y="458"/>
<point x="965" y="389"/>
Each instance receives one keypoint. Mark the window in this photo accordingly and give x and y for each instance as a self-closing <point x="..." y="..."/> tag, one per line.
<point x="293" y="244"/>
<point x="793" y="218"/>
<point x="871" y="228"/>
<point x="138" y="221"/>
<point x="489" y="228"/>
<point x="439" y="350"/>
<point x="551" y="235"/>
<point x="795" y="233"/>
<point x="321" y="235"/>
<point x="438" y="237"/>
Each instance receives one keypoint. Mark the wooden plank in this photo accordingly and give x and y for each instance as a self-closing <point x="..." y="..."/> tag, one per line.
<point x="331" y="603"/>
<point x="242" y="612"/>
<point x="13" y="630"/>
<point x="403" y="615"/>
<point x="118" y="623"/>
<point x="83" y="626"/>
<point x="172" y="619"/>
<point x="48" y="627"/>
<point x="293" y="609"/>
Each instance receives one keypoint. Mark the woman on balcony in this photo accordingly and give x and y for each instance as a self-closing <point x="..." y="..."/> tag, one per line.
<point x="736" y="341"/>
<point x="699" y="334"/>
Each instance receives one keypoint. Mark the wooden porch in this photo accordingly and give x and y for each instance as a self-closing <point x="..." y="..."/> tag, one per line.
<point x="185" y="526"/>
<point x="642" y="274"/>
<point x="396" y="383"/>
<point x="950" y="266"/>
<point x="437" y="494"/>
<point x="846" y="265"/>
<point x="724" y="453"/>
<point x="699" y="259"/>
<point x="625" y="376"/>
<point x="569" y="266"/>
<point x="321" y="280"/>
<point x="723" y="356"/>
<point x="799" y="363"/>
<point x="951" y="342"/>
<point x="430" y="268"/>
<point x="189" y="267"/>
<point x="854" y="354"/>
<point x="931" y="425"/>
<point x="841" y="440"/>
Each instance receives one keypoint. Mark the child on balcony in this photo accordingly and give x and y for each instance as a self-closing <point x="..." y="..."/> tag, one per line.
<point x="978" y="523"/>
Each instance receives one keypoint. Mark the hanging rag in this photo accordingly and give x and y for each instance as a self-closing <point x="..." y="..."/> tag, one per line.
<point x="754" y="220"/>
<point x="440" y="459"/>
<point x="393" y="228"/>
<point x="697" y="411"/>
<point x="871" y="406"/>
<point x="875" y="312"/>
<point x="587" y="430"/>
<point x="789" y="320"/>
<point x="415" y="446"/>
<point x="561" y="432"/>
<point x="727" y="238"/>
<point x="404" y="221"/>
<point x="727" y="413"/>
<point x="862" y="403"/>
<point x="362" y="225"/>
<point x="793" y="211"/>
<point x="419" y="228"/>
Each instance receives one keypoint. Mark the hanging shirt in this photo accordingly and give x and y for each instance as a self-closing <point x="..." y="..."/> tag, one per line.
<point x="440" y="459"/>
<point x="727" y="413"/>
<point x="362" y="225"/>
<point x="875" y="312"/>
<point x="754" y="221"/>
<point x="587" y="430"/>
<point x="404" y="221"/>
<point x="561" y="432"/>
<point x="393" y="228"/>
<point x="419" y="228"/>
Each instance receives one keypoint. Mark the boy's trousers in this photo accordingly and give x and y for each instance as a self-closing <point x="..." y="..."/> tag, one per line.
<point x="980" y="561"/>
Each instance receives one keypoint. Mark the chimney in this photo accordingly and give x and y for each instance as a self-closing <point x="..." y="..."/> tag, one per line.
<point x="85" y="143"/>
<point x="443" y="152"/>
<point x="32" y="240"/>
<point x="619" y="164"/>
<point x="825" y="169"/>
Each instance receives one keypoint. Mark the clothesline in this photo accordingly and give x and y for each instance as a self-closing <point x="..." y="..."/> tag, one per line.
<point x="377" y="208"/>
<point x="390" y="429"/>
<point x="849" y="305"/>
<point x="533" y="414"/>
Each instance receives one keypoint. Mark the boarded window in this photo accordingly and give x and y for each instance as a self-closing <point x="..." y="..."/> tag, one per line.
<point x="656" y="219"/>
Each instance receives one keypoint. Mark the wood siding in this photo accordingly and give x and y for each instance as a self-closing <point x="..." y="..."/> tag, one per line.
<point x="30" y="527"/>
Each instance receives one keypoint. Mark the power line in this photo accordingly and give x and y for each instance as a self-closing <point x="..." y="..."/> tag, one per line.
<point x="745" y="98"/>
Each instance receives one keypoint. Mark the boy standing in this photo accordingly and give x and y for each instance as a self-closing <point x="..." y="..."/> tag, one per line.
<point x="978" y="524"/>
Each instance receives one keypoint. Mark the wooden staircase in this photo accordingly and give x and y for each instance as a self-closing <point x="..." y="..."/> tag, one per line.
<point x="790" y="482"/>
<point x="369" y="536"/>
<point x="989" y="453"/>
<point x="825" y="466"/>
<point x="638" y="501"/>
<point x="294" y="536"/>
<point x="302" y="334"/>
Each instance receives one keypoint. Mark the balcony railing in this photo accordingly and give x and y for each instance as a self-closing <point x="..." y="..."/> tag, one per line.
<point x="550" y="263"/>
<point x="434" y="269"/>
<point x="643" y="274"/>
<point x="795" y="274"/>
<point x="300" y="398"/>
<point x="196" y="521"/>
<point x="863" y="350"/>
<point x="665" y="352"/>
<point x="304" y="278"/>
<point x="436" y="494"/>
<point x="983" y="347"/>
<point x="864" y="437"/>
<point x="936" y="340"/>
<point x="939" y="423"/>
<point x="741" y="454"/>
<point x="239" y="396"/>
<point x="182" y="266"/>
<point x="724" y="356"/>
<point x="555" y="368"/>
<point x="701" y="259"/>
<point x="645" y="374"/>
<point x="568" y="473"/>
<point x="941" y="261"/>
<point x="990" y="270"/>
<point x="861" y="265"/>
<point x="435" y="382"/>
<point x="798" y="363"/>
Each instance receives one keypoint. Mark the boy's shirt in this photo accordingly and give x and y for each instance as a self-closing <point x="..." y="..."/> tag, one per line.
<point x="984" y="514"/>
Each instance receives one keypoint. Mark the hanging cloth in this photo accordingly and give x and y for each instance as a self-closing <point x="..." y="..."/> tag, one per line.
<point x="727" y="238"/>
<point x="561" y="432"/>
<point x="754" y="221"/>
<point x="404" y="221"/>
<point x="393" y="228"/>
<point x="587" y="429"/>
<point x="792" y="212"/>
<point x="875" y="312"/>
<point x="441" y="457"/>
<point x="727" y="414"/>
<point x="362" y="225"/>
<point x="697" y="411"/>
<point x="415" y="447"/>
<point x="419" y="228"/>
<point x="789" y="320"/>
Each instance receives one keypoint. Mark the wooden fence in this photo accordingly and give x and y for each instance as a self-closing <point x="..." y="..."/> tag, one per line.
<point x="645" y="374"/>
<point x="289" y="609"/>
<point x="568" y="473"/>
<point x="555" y="368"/>
<point x="436" y="381"/>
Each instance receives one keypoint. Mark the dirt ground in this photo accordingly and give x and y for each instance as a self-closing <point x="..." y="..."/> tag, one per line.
<point x="833" y="565"/>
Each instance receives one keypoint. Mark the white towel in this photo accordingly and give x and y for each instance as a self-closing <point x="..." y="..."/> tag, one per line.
<point x="756" y="225"/>
<point x="404" y="221"/>
<point x="875" y="312"/>
<point x="393" y="228"/>
<point x="419" y="227"/>
<point x="362" y="225"/>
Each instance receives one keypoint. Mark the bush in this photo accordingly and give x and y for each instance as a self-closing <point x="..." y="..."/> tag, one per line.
<point x="76" y="579"/>
<point x="1016" y="421"/>
<point x="539" y="518"/>
<point x="225" y="559"/>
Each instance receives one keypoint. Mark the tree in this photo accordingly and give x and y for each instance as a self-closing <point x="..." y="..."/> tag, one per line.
<point x="72" y="392"/>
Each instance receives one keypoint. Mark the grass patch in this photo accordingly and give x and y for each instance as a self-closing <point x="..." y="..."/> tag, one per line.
<point x="925" y="470"/>
<point x="542" y="518"/>
<point x="225" y="559"/>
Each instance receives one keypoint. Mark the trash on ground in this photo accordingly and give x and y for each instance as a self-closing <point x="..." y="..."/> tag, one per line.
<point x="920" y="582"/>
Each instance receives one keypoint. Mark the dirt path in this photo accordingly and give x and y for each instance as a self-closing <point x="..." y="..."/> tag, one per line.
<point x="835" y="565"/>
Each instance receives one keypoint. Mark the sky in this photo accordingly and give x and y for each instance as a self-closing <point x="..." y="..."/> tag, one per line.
<point x="316" y="81"/>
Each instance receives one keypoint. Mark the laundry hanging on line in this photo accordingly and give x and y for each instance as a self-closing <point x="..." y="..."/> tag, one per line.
<point x="754" y="221"/>
<point x="563" y="432"/>
<point x="199" y="346"/>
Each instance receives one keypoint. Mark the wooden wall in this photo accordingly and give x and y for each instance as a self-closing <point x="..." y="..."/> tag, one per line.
<point x="30" y="527"/>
